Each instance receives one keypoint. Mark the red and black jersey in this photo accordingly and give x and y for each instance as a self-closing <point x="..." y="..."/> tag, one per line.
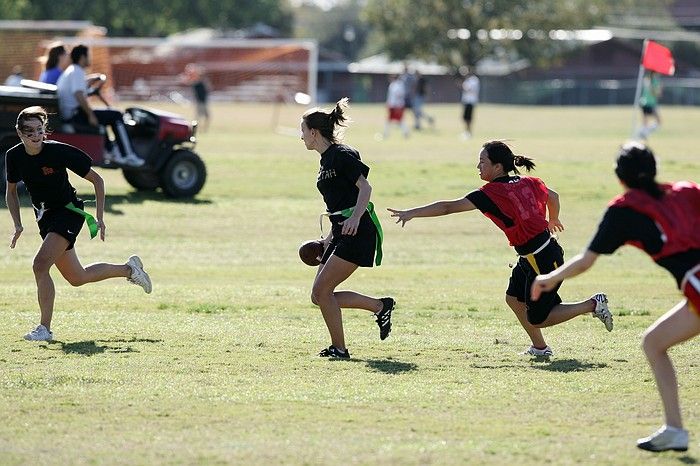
<point x="516" y="204"/>
<point x="676" y="215"/>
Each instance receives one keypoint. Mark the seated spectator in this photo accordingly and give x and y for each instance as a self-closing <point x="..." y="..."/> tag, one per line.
<point x="72" y="90"/>
<point x="57" y="60"/>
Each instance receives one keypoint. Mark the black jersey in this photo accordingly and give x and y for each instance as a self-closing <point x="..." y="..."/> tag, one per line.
<point x="340" y="169"/>
<point x="621" y="225"/>
<point x="44" y="174"/>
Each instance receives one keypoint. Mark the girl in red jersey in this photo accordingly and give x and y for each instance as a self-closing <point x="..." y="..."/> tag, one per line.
<point x="664" y="221"/>
<point x="518" y="205"/>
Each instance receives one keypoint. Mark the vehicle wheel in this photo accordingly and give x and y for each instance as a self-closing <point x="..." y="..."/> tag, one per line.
<point x="183" y="175"/>
<point x="143" y="180"/>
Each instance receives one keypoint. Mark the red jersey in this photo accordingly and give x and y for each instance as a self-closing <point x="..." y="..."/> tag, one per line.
<point x="523" y="203"/>
<point x="676" y="214"/>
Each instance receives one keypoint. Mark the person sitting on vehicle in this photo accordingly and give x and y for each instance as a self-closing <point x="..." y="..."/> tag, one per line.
<point x="72" y="90"/>
<point x="57" y="60"/>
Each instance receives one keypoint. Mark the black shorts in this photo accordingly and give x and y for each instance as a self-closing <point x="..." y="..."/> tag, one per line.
<point x="358" y="249"/>
<point x="524" y="273"/>
<point x="62" y="221"/>
<point x="468" y="110"/>
<point x="648" y="110"/>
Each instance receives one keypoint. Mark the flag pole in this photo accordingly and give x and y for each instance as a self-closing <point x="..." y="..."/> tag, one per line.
<point x="638" y="91"/>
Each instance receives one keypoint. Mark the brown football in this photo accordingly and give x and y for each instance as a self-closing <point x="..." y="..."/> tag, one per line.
<point x="311" y="252"/>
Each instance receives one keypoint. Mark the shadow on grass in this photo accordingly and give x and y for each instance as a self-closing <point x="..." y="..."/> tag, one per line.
<point x="113" y="201"/>
<point x="132" y="340"/>
<point x="686" y="459"/>
<point x="568" y="365"/>
<point x="91" y="347"/>
<point x="496" y="366"/>
<point x="389" y="366"/>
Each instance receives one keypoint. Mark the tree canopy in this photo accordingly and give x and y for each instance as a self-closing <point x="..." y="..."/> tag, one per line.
<point x="340" y="29"/>
<point x="515" y="28"/>
<point x="154" y="17"/>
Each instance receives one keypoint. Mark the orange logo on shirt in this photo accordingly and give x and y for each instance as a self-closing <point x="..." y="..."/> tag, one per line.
<point x="47" y="170"/>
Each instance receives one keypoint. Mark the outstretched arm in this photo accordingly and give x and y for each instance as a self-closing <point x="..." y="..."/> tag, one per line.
<point x="553" y="207"/>
<point x="575" y="266"/>
<point x="12" y="200"/>
<point x="99" y="185"/>
<point x="436" y="209"/>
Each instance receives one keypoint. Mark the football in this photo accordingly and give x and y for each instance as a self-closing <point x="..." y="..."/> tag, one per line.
<point x="311" y="252"/>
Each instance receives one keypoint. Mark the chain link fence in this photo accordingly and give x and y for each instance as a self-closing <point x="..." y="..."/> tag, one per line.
<point x="676" y="91"/>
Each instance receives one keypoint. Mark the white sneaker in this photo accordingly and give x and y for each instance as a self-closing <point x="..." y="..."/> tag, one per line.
<point x="112" y="155"/>
<point x="532" y="351"/>
<point x="138" y="275"/>
<point x="40" y="333"/>
<point x="666" y="438"/>
<point x="130" y="160"/>
<point x="601" y="310"/>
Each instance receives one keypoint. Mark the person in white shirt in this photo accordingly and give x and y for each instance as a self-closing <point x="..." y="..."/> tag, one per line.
<point x="72" y="90"/>
<point x="396" y="104"/>
<point x="470" y="97"/>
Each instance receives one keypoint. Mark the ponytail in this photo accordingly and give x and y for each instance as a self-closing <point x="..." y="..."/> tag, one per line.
<point x="329" y="124"/>
<point x="522" y="161"/>
<point x="500" y="152"/>
<point x="651" y="187"/>
<point x="337" y="116"/>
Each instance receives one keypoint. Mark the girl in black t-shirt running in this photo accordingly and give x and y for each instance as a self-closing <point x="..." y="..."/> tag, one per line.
<point x="664" y="221"/>
<point x="59" y="213"/>
<point x="355" y="234"/>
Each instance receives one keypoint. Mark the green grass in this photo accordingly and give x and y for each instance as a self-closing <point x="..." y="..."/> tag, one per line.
<point x="217" y="365"/>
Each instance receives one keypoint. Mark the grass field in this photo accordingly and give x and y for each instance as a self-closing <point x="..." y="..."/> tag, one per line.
<point x="218" y="365"/>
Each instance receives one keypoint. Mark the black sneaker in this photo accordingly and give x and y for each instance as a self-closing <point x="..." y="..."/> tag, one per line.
<point x="384" y="317"/>
<point x="333" y="352"/>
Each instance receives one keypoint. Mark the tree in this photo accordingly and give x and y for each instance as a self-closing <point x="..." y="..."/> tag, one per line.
<point x="339" y="29"/>
<point x="420" y="29"/>
<point x="154" y="17"/>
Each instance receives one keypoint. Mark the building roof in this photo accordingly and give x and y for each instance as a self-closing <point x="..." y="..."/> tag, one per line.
<point x="380" y="64"/>
<point x="49" y="25"/>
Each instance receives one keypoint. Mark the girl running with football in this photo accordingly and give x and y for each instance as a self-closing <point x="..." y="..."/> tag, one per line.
<point x="42" y="165"/>
<point x="355" y="233"/>
<point x="519" y="205"/>
<point x="664" y="221"/>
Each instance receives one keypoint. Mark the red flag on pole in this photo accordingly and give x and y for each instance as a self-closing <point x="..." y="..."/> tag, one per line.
<point x="658" y="58"/>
